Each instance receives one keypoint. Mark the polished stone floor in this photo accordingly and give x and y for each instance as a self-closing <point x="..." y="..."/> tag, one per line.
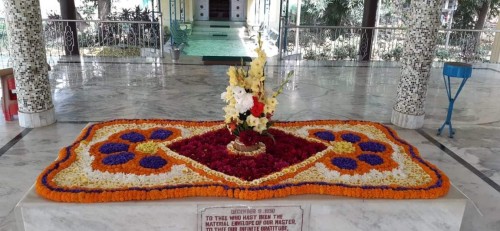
<point x="96" y="91"/>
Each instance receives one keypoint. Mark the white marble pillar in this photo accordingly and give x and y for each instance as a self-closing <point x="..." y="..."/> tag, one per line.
<point x="421" y="38"/>
<point x="27" y="50"/>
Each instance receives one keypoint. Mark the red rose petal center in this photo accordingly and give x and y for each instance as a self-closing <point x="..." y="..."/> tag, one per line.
<point x="210" y="150"/>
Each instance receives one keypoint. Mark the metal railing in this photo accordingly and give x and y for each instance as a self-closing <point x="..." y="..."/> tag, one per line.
<point x="133" y="38"/>
<point x="344" y="43"/>
<point x="94" y="38"/>
<point x="103" y="38"/>
<point x="465" y="45"/>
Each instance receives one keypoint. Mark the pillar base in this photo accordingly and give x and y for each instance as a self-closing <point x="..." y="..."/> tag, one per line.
<point x="35" y="120"/>
<point x="407" y="121"/>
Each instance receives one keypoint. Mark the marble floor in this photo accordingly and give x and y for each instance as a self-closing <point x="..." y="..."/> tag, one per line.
<point x="107" y="89"/>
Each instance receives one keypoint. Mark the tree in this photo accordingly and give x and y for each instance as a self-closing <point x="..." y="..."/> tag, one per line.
<point x="472" y="14"/>
<point x="394" y="13"/>
<point x="346" y="13"/>
<point x="313" y="11"/>
<point x="331" y="12"/>
<point x="103" y="8"/>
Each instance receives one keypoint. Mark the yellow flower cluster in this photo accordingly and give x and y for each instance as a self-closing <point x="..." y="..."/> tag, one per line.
<point x="343" y="147"/>
<point x="149" y="147"/>
<point x="258" y="124"/>
<point x="246" y="89"/>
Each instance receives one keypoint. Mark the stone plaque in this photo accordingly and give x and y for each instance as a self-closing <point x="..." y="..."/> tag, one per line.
<point x="251" y="218"/>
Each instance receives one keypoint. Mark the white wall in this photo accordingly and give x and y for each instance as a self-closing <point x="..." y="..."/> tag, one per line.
<point x="238" y="11"/>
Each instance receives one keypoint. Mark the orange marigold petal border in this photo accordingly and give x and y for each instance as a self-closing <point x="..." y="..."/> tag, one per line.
<point x="198" y="179"/>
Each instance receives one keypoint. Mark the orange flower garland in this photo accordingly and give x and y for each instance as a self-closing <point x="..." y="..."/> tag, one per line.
<point x="150" y="159"/>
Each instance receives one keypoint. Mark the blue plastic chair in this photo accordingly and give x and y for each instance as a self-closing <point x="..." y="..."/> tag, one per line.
<point x="454" y="70"/>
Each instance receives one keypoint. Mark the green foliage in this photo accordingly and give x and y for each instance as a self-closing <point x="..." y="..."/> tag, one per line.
<point x="346" y="51"/>
<point x="88" y="9"/>
<point x="394" y="13"/>
<point x="53" y="26"/>
<point x="3" y="30"/>
<point x="397" y="53"/>
<point x="114" y="51"/>
<point x="338" y="12"/>
<point x="112" y="31"/>
<point x="465" y="17"/>
<point x="136" y="14"/>
<point x="443" y="54"/>
<point x="309" y="55"/>
<point x="109" y="34"/>
<point x="394" y="54"/>
<point x="241" y="127"/>
<point x="331" y="12"/>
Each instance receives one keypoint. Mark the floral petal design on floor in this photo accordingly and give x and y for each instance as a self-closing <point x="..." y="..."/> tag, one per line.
<point x="158" y="159"/>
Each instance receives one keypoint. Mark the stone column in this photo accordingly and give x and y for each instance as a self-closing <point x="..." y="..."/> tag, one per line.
<point x="418" y="54"/>
<point x="495" y="53"/>
<point x="27" y="50"/>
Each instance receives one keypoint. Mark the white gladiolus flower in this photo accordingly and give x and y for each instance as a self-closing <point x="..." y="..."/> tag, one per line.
<point x="260" y="128"/>
<point x="231" y="111"/>
<point x="268" y="109"/>
<point x="252" y="121"/>
<point x="238" y="92"/>
<point x="244" y="103"/>
<point x="272" y="102"/>
<point x="263" y="120"/>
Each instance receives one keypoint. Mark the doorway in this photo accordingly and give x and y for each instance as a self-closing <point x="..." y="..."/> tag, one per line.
<point x="219" y="10"/>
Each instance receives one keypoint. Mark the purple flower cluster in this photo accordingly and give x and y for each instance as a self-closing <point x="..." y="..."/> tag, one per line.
<point x="371" y="159"/>
<point x="120" y="158"/>
<point x="133" y="137"/>
<point x="349" y="137"/>
<point x="351" y="163"/>
<point x="160" y="134"/>
<point x="325" y="135"/>
<point x="154" y="162"/>
<point x="345" y="163"/>
<point x="109" y="148"/>
<point x="119" y="153"/>
<point x="372" y="146"/>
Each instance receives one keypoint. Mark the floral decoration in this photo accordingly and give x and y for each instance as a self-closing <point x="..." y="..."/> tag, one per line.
<point x="157" y="159"/>
<point x="250" y="105"/>
<point x="133" y="150"/>
<point x="286" y="150"/>
<point x="354" y="152"/>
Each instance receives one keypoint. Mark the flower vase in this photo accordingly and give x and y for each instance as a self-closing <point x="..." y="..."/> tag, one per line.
<point x="239" y="148"/>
